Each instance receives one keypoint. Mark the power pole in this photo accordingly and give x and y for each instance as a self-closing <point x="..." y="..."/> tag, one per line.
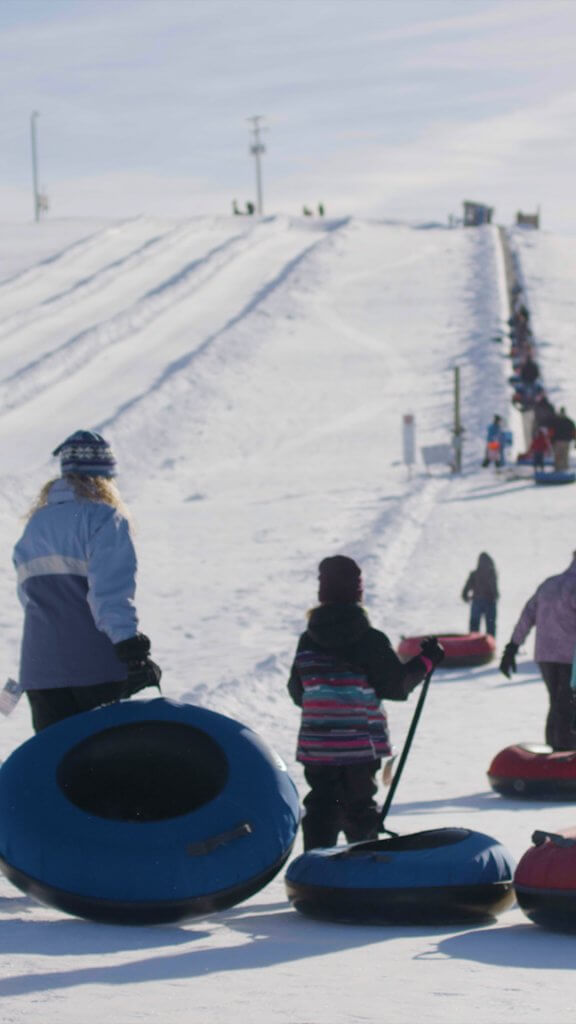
<point x="257" y="148"/>
<point x="33" y="118"/>
<point x="458" y="429"/>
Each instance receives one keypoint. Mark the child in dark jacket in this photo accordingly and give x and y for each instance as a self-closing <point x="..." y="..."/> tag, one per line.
<point x="481" y="589"/>
<point x="342" y="669"/>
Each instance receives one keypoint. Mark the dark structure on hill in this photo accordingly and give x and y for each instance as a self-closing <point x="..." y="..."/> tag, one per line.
<point x="477" y="213"/>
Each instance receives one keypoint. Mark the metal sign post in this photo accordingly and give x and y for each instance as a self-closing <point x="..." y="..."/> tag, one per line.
<point x="409" y="439"/>
<point x="458" y="429"/>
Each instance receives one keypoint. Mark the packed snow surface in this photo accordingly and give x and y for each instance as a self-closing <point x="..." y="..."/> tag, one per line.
<point x="253" y="376"/>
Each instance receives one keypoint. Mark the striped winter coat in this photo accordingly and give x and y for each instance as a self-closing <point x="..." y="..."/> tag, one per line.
<point x="342" y="669"/>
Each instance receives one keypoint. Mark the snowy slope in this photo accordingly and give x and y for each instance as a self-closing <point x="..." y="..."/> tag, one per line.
<point x="253" y="377"/>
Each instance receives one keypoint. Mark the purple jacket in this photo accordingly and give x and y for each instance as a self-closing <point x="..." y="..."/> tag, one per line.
<point x="552" y="609"/>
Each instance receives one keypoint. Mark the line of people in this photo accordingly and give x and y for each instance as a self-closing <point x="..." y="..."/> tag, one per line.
<point x="551" y="441"/>
<point x="550" y="431"/>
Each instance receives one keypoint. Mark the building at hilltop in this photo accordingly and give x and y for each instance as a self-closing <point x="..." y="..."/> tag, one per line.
<point x="476" y="213"/>
<point x="528" y="220"/>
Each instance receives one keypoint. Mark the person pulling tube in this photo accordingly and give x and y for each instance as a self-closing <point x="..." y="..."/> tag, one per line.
<point x="342" y="669"/>
<point x="76" y="571"/>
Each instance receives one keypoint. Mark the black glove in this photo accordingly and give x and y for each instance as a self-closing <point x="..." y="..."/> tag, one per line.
<point x="142" y="671"/>
<point x="508" y="662"/>
<point x="431" y="649"/>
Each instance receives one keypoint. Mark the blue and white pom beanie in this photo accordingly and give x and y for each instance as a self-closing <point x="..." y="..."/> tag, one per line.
<point x="86" y="454"/>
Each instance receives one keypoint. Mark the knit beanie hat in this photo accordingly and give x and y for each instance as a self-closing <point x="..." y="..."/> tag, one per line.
<point x="86" y="454"/>
<point x="340" y="580"/>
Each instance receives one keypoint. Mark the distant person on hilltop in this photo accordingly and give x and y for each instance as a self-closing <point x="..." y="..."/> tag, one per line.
<point x="76" y="570"/>
<point x="342" y="669"/>
<point x="481" y="589"/>
<point x="552" y="610"/>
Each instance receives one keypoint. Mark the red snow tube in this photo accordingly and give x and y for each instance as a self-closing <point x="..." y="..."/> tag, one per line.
<point x="534" y="770"/>
<point x="545" y="880"/>
<point x="461" y="648"/>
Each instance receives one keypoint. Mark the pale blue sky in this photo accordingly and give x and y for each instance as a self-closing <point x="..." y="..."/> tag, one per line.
<point x="378" y="107"/>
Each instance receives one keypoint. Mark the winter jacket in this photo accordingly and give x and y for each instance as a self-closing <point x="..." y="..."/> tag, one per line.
<point x="563" y="428"/>
<point x="76" y="571"/>
<point x="540" y="443"/>
<point x="552" y="609"/>
<point x="482" y="582"/>
<point x="342" y="669"/>
<point x="495" y="432"/>
<point x="529" y="371"/>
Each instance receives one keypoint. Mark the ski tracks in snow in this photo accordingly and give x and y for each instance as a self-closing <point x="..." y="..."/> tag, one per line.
<point x="185" y="284"/>
<point x="11" y="287"/>
<point x="93" y="281"/>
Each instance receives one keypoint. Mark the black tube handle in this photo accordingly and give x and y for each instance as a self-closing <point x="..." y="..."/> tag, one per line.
<point x="205" y="846"/>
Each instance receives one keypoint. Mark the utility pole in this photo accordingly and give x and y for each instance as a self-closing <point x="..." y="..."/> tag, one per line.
<point x="37" y="205"/>
<point x="257" y="148"/>
<point x="458" y="429"/>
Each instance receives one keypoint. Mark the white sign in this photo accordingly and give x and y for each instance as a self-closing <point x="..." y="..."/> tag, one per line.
<point x="437" y="453"/>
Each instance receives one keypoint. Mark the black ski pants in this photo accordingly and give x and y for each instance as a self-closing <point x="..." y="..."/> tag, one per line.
<point x="52" y="705"/>
<point x="556" y="676"/>
<point x="341" y="799"/>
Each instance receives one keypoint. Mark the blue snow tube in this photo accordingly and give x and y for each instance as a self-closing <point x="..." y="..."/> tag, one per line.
<point x="554" y="476"/>
<point x="442" y="875"/>
<point x="143" y="812"/>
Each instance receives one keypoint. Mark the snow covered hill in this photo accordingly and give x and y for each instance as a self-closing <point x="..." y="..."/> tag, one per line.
<point x="252" y="377"/>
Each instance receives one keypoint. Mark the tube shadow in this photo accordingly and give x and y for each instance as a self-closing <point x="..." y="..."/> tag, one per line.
<point x="267" y="939"/>
<point x="481" y="493"/>
<point x="484" y="801"/>
<point x="75" y="937"/>
<point x="519" y="945"/>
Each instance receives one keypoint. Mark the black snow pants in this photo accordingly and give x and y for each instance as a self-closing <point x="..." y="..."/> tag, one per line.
<point x="559" y="733"/>
<point x="341" y="799"/>
<point x="52" y="705"/>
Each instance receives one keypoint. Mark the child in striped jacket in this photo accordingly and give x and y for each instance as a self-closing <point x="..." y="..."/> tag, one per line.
<point x="342" y="669"/>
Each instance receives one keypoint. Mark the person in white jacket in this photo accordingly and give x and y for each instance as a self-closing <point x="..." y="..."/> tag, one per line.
<point x="552" y="611"/>
<point x="76" y="569"/>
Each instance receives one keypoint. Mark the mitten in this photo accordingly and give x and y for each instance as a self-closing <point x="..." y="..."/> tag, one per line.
<point x="508" y="661"/>
<point x="431" y="649"/>
<point x="142" y="671"/>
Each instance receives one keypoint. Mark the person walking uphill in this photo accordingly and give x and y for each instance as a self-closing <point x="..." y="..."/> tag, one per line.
<point x="481" y="588"/>
<point x="552" y="610"/>
<point x="342" y="669"/>
<point x="76" y="570"/>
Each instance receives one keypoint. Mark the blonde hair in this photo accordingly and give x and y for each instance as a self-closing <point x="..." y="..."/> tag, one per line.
<point x="86" y="488"/>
